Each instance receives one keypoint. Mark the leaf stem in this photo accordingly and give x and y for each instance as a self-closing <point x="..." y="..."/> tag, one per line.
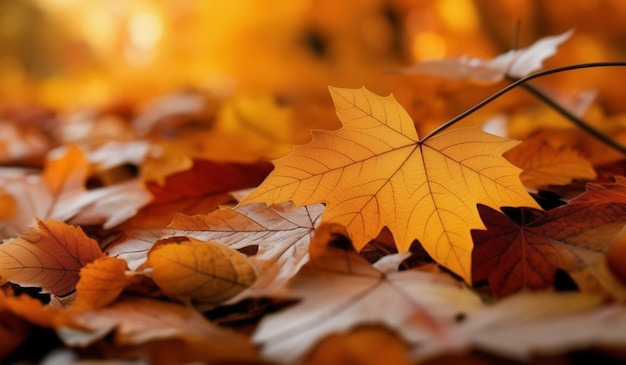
<point x="574" y="119"/>
<point x="515" y="84"/>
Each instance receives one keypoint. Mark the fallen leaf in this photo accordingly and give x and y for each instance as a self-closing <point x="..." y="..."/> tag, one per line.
<point x="574" y="237"/>
<point x="529" y="324"/>
<point x="360" y="346"/>
<point x="100" y="283"/>
<point x="544" y="163"/>
<point x="59" y="193"/>
<point x="339" y="291"/>
<point x="49" y="256"/>
<point x="200" y="189"/>
<point x="200" y="273"/>
<point x="514" y="63"/>
<point x="136" y="321"/>
<point x="282" y="233"/>
<point x="375" y="172"/>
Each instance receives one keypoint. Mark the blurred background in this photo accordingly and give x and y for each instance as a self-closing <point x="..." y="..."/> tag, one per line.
<point x="70" y="54"/>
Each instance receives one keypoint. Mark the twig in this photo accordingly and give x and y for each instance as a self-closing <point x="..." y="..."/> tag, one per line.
<point x="515" y="84"/>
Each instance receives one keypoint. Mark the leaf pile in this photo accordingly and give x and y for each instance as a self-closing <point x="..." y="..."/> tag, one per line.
<point x="181" y="242"/>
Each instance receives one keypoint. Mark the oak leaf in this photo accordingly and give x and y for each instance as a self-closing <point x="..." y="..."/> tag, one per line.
<point x="200" y="273"/>
<point x="375" y="172"/>
<point x="282" y="233"/>
<point x="574" y="237"/>
<point x="339" y="291"/>
<point x="49" y="256"/>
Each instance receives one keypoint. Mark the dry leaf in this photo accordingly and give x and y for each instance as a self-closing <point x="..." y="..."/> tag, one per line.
<point x="136" y="321"/>
<point x="49" y="256"/>
<point x="375" y="172"/>
<point x="545" y="164"/>
<point x="339" y="291"/>
<point x="573" y="237"/>
<point x="200" y="189"/>
<point x="100" y="283"/>
<point x="200" y="273"/>
<point x="365" y="346"/>
<point x="282" y="233"/>
<point x="528" y="324"/>
<point x="515" y="63"/>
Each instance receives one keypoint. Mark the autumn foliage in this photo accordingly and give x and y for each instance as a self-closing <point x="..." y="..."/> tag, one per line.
<point x="305" y="227"/>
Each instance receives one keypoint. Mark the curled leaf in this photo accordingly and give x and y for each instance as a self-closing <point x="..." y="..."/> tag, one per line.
<point x="202" y="273"/>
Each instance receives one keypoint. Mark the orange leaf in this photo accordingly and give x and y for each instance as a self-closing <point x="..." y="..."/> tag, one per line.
<point x="545" y="164"/>
<point x="49" y="256"/>
<point x="374" y="172"/>
<point x="202" y="273"/>
<point x="573" y="237"/>
<point x="282" y="233"/>
<point x="101" y="282"/>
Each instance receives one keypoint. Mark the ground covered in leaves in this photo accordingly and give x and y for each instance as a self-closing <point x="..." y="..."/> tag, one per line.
<point x="222" y="225"/>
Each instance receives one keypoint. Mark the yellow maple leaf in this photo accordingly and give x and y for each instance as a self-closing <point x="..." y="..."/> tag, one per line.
<point x="200" y="273"/>
<point x="375" y="172"/>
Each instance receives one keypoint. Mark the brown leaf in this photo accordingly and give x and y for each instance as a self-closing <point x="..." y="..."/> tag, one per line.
<point x="339" y="291"/>
<point x="198" y="190"/>
<point x="529" y="324"/>
<point x="136" y="321"/>
<point x="573" y="237"/>
<point x="49" y="256"/>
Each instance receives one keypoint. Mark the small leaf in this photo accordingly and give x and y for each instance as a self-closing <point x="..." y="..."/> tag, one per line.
<point x="101" y="282"/>
<point x="49" y="256"/>
<point x="198" y="272"/>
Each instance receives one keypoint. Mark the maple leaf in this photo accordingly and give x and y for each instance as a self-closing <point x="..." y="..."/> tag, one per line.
<point x="375" y="172"/>
<point x="544" y="163"/>
<point x="339" y="290"/>
<point x="282" y="233"/>
<point x="200" y="273"/>
<point x="49" y="257"/>
<point x="514" y="63"/>
<point x="514" y="256"/>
